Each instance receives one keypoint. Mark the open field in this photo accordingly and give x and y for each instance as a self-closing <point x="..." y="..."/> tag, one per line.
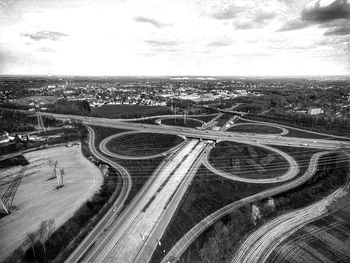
<point x="104" y="132"/>
<point x="301" y="155"/>
<point x="260" y="129"/>
<point x="179" y="121"/>
<point x="37" y="198"/>
<point x="129" y="111"/>
<point x="142" y="144"/>
<point x="247" y="160"/>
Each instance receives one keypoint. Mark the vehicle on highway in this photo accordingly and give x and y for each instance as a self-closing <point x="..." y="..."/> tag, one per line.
<point x="305" y="144"/>
<point x="114" y="209"/>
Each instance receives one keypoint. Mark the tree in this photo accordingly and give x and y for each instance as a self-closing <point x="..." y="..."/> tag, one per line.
<point x="46" y="229"/>
<point x="32" y="238"/>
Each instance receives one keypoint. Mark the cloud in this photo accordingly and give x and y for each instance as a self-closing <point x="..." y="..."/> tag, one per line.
<point x="219" y="44"/>
<point x="228" y="12"/>
<point x="319" y="13"/>
<point x="151" y="21"/>
<point x="294" y="25"/>
<point x="161" y="43"/>
<point x="341" y="29"/>
<point x="45" y="35"/>
<point x="244" y="25"/>
<point x="46" y="49"/>
<point x="262" y="17"/>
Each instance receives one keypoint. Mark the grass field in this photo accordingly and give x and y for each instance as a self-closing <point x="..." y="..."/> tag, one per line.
<point x="37" y="198"/>
<point x="143" y="144"/>
<point x="261" y="129"/>
<point x="179" y="121"/>
<point x="247" y="161"/>
<point x="129" y="111"/>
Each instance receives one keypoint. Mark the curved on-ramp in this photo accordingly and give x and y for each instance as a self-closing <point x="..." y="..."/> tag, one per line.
<point x="180" y="247"/>
<point x="159" y="120"/>
<point x="104" y="149"/>
<point x="284" y="131"/>
<point x="293" y="169"/>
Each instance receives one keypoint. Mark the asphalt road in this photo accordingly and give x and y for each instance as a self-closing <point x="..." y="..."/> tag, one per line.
<point x="210" y="134"/>
<point x="261" y="243"/>
<point x="112" y="213"/>
<point x="98" y="246"/>
<point x="154" y="237"/>
<point x="117" y="233"/>
<point x="180" y="247"/>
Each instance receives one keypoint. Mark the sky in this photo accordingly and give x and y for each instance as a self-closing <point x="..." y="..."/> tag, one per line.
<point x="175" y="37"/>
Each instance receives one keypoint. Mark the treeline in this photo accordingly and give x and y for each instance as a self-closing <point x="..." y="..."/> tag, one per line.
<point x="318" y="123"/>
<point x="219" y="242"/>
<point x="121" y="111"/>
<point x="17" y="121"/>
<point x="78" y="107"/>
<point x="68" y="236"/>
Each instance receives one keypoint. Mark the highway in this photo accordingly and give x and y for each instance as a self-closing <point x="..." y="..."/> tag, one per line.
<point x="133" y="235"/>
<point x="153" y="239"/>
<point x="209" y="134"/>
<point x="112" y="213"/>
<point x="125" y="238"/>
<point x="179" y="248"/>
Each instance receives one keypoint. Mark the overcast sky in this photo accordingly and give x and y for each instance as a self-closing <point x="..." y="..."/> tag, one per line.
<point x="175" y="37"/>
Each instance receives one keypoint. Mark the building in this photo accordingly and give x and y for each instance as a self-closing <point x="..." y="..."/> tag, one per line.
<point x="315" y="111"/>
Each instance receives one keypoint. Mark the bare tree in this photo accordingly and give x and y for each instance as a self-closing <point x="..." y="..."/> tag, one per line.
<point x="46" y="229"/>
<point x="32" y="239"/>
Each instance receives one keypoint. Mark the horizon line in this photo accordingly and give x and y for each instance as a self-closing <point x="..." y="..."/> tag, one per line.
<point x="172" y="76"/>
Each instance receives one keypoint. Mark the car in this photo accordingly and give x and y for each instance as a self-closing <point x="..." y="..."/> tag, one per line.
<point x="114" y="209"/>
